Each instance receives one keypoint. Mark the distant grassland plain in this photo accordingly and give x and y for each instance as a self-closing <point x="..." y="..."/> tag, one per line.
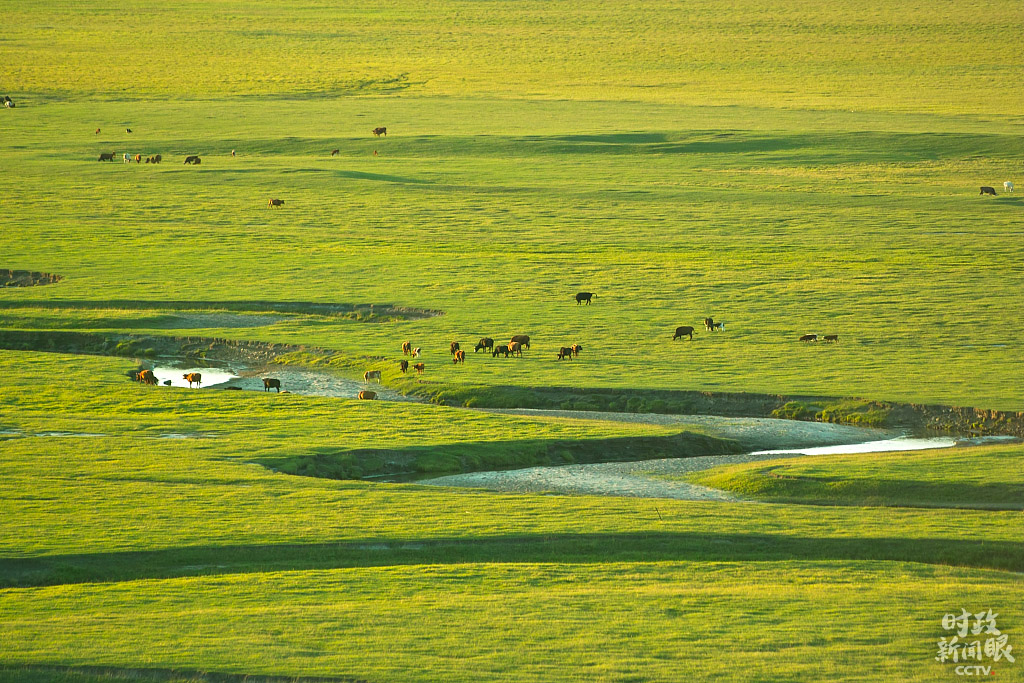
<point x="787" y="167"/>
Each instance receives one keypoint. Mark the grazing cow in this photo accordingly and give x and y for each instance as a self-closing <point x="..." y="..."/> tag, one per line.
<point x="335" y="152"/>
<point x="403" y="365"/>
<point x="157" y="159"/>
<point x="809" y="338"/>
<point x="106" y="157"/>
<point x="1007" y="186"/>
<point x="192" y="160"/>
<point x="193" y="377"/>
<point x="985" y="189"/>
<point x="419" y="368"/>
<point x="583" y="296"/>
<point x="127" y="130"/>
<point x="149" y="160"/>
<point x="717" y="327"/>
<point x="454" y="347"/>
<point x="684" y="331"/>
<point x="371" y="374"/>
<point x="576" y="348"/>
<point x="416" y="352"/>
<point x="271" y="383"/>
<point x="167" y="382"/>
<point x="147" y="377"/>
<point x="500" y="349"/>
<point x="516" y="349"/>
<point x="97" y="131"/>
<point x="275" y="202"/>
<point x="367" y="395"/>
<point x="831" y="338"/>
<point x="406" y="348"/>
<point x="484" y="343"/>
<point x="522" y="339"/>
<point x="460" y="357"/>
<point x="127" y="158"/>
<point x="138" y="158"/>
<point x="380" y="131"/>
<point x="565" y="353"/>
<point x="8" y="102"/>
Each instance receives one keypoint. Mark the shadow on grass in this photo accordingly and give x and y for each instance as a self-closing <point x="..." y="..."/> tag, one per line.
<point x="474" y="456"/>
<point x="561" y="548"/>
<point x="45" y="673"/>
<point x="767" y="484"/>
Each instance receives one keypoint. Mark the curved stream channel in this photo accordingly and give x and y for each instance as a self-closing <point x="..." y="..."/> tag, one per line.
<point x="642" y="478"/>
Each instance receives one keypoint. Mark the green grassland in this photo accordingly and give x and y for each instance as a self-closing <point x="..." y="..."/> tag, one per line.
<point x="787" y="167"/>
<point x="977" y="477"/>
<point x="129" y="551"/>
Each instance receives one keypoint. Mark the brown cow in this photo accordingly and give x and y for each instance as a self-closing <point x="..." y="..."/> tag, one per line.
<point x="157" y="159"/>
<point x="419" y="368"/>
<point x="484" y="343"/>
<point x="416" y="352"/>
<point x="503" y="348"/>
<point x="147" y="377"/>
<point x="809" y="338"/>
<point x="193" y="377"/>
<point x="403" y="365"/>
<point x="516" y="349"/>
<point x="371" y="374"/>
<point x="367" y="395"/>
<point x="380" y="131"/>
<point x="565" y="353"/>
<point x="522" y="339"/>
<point x="460" y="357"/>
<point x="454" y="347"/>
<point x="576" y="348"/>
<point x="831" y="338"/>
<point x="192" y="160"/>
<point x="335" y="152"/>
<point x="275" y="202"/>
<point x="406" y="348"/>
<point x="271" y="383"/>
<point x="683" y="331"/>
<point x="107" y="157"/>
<point x="138" y="158"/>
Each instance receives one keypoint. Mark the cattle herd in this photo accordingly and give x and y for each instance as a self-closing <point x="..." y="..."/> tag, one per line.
<point x="511" y="349"/>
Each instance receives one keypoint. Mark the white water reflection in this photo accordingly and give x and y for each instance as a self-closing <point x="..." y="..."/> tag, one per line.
<point x="903" y="443"/>
<point x="211" y="376"/>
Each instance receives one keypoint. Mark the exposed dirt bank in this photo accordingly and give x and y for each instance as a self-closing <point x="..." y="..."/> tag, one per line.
<point x="26" y="278"/>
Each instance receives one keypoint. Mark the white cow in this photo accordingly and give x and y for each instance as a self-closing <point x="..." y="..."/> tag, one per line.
<point x="127" y="159"/>
<point x="371" y="374"/>
<point x="1008" y="186"/>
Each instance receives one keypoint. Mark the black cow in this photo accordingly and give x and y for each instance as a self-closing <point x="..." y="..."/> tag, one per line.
<point x="565" y="353"/>
<point x="809" y="338"/>
<point x="193" y="160"/>
<point x="271" y="383"/>
<point x="106" y="157"/>
<point x="988" y="190"/>
<point x="684" y="331"/>
<point x="583" y="296"/>
<point x="380" y="131"/>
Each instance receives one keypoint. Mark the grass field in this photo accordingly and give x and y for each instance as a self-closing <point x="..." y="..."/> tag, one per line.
<point x="975" y="477"/>
<point x="789" y="168"/>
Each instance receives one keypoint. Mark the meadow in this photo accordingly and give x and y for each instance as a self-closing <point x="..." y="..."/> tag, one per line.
<point x="786" y="167"/>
